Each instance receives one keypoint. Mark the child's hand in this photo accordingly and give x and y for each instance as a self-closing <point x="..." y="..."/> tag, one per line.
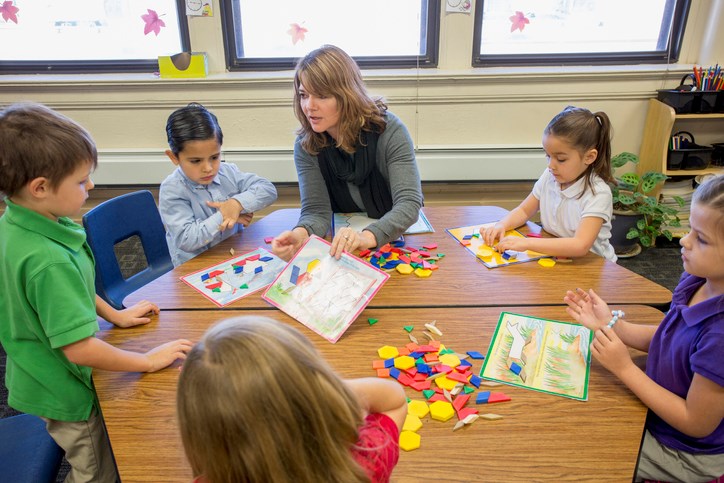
<point x="587" y="308"/>
<point x="165" y="354"/>
<point x="515" y="243"/>
<point x="245" y="218"/>
<point x="492" y="233"/>
<point x="230" y="211"/>
<point x="610" y="351"/>
<point x="287" y="244"/>
<point x="134" y="315"/>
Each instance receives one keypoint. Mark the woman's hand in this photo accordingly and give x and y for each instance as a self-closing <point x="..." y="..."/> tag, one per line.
<point x="287" y="243"/>
<point x="349" y="240"/>
<point x="245" y="218"/>
<point x="587" y="308"/>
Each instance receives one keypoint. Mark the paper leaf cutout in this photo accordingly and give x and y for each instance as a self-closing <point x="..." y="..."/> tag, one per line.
<point x="297" y="32"/>
<point x="9" y="10"/>
<point x="518" y="21"/>
<point x="153" y="23"/>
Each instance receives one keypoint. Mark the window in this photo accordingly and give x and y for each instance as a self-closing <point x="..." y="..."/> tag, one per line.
<point x="377" y="33"/>
<point x="89" y="35"/>
<point x="578" y="31"/>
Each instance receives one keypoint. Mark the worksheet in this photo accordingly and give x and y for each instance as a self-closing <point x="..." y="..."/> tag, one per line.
<point x="322" y="293"/>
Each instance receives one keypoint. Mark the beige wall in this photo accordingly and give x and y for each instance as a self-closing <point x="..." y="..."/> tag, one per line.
<point x="467" y="124"/>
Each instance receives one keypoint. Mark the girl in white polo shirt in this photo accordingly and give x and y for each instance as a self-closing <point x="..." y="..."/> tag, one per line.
<point x="573" y="194"/>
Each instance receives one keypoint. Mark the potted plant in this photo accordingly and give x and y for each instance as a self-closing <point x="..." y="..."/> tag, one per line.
<point x="639" y="218"/>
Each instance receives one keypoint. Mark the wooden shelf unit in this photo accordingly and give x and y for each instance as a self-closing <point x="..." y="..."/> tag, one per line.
<point x="660" y="121"/>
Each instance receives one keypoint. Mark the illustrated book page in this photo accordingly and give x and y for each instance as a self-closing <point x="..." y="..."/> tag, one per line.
<point x="540" y="354"/>
<point x="237" y="277"/>
<point x="470" y="238"/>
<point x="360" y="221"/>
<point x="322" y="293"/>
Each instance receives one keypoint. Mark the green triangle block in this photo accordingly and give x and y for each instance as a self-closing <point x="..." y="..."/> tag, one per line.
<point x="409" y="328"/>
<point x="245" y="286"/>
<point x="372" y="321"/>
<point x="408" y="399"/>
<point x="468" y="389"/>
<point x="440" y="255"/>
<point x="446" y="351"/>
<point x="420" y="360"/>
<point x="217" y="290"/>
<point x="428" y="393"/>
<point x="476" y="235"/>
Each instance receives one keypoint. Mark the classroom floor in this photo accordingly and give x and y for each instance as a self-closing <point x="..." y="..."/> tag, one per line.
<point x="661" y="264"/>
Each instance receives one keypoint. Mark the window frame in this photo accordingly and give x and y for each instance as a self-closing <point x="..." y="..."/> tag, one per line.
<point x="236" y="62"/>
<point x="98" y="66"/>
<point x="670" y="54"/>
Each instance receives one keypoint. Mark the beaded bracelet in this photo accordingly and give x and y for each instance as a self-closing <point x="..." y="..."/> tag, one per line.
<point x="617" y="314"/>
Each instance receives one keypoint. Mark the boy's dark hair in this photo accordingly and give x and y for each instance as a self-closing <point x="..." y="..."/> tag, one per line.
<point x="36" y="142"/>
<point x="191" y="123"/>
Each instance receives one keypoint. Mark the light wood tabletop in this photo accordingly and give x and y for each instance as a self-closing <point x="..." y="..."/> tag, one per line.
<point x="541" y="437"/>
<point x="461" y="281"/>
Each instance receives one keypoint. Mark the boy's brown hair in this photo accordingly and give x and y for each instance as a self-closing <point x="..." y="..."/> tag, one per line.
<point x="36" y="142"/>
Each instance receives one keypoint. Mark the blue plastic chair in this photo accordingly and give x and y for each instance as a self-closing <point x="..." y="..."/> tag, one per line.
<point x="27" y="452"/>
<point x="114" y="221"/>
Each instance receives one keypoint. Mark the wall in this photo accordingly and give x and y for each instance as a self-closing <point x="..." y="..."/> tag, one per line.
<point x="467" y="124"/>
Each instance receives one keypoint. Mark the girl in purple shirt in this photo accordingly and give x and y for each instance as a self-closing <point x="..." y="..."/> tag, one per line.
<point x="683" y="385"/>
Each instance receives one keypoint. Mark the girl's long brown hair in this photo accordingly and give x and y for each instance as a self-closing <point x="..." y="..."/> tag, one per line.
<point x="257" y="403"/>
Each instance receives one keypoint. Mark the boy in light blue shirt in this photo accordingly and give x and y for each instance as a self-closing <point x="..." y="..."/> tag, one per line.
<point x="205" y="200"/>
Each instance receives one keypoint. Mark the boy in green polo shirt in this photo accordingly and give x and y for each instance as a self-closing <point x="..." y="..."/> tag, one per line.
<point x="48" y="307"/>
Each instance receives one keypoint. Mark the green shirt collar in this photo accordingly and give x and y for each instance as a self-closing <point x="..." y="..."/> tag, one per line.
<point x="65" y="231"/>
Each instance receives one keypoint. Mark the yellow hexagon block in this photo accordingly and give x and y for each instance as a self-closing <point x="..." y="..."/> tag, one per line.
<point x="423" y="272"/>
<point x="546" y="262"/>
<point x="388" y="352"/>
<point x="450" y="360"/>
<point x="418" y="408"/>
<point x="412" y="423"/>
<point x="404" y="362"/>
<point x="485" y="252"/>
<point x="442" y="410"/>
<point x="404" y="268"/>
<point x="445" y="383"/>
<point x="409" y="440"/>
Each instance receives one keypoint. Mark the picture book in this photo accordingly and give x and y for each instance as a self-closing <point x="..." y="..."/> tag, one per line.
<point x="237" y="277"/>
<point x="469" y="237"/>
<point x="359" y="221"/>
<point x="322" y="293"/>
<point x="540" y="354"/>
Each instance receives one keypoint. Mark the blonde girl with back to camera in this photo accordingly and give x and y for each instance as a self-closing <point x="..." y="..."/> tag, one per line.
<point x="258" y="403"/>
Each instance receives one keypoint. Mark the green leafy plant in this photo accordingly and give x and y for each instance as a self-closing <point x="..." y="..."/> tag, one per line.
<point x="631" y="193"/>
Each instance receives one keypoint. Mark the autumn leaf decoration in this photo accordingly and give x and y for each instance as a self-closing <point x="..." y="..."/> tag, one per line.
<point x="9" y="11"/>
<point x="297" y="32"/>
<point x="153" y="22"/>
<point x="518" y="21"/>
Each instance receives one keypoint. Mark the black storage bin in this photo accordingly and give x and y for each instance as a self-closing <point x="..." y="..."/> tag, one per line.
<point x="717" y="155"/>
<point x="684" y="100"/>
<point x="692" y="102"/>
<point x="690" y="156"/>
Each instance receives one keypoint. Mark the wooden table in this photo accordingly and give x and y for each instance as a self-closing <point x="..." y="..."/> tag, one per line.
<point x="461" y="280"/>
<point x="541" y="437"/>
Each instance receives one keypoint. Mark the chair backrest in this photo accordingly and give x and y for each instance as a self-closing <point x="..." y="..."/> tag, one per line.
<point x="27" y="452"/>
<point x="114" y="221"/>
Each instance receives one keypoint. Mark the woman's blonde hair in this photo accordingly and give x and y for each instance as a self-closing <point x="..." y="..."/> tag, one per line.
<point x="329" y="71"/>
<point x="257" y="403"/>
